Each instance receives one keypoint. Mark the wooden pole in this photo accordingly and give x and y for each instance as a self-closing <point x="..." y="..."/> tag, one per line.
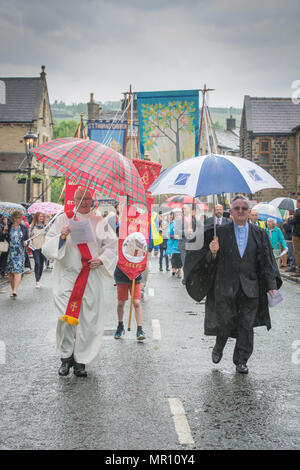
<point x="128" y="118"/>
<point x="204" y="91"/>
<point x="131" y="303"/>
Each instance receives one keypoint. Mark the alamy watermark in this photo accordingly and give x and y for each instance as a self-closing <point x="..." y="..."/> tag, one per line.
<point x="296" y="353"/>
<point x="296" y="94"/>
<point x="2" y="92"/>
<point x="2" y="352"/>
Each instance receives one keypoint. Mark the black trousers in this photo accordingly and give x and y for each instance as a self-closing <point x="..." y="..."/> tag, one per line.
<point x="39" y="260"/>
<point x="243" y="311"/>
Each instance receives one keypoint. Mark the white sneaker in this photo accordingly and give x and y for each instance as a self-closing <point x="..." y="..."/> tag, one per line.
<point x="37" y="285"/>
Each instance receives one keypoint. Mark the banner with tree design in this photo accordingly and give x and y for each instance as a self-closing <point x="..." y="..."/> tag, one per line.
<point x="168" y="125"/>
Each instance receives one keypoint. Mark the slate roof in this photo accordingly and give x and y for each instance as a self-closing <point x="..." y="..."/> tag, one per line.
<point x="22" y="99"/>
<point x="229" y="139"/>
<point x="271" y="115"/>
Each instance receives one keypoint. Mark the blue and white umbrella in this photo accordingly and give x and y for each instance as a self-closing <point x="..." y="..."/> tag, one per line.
<point x="266" y="211"/>
<point x="213" y="174"/>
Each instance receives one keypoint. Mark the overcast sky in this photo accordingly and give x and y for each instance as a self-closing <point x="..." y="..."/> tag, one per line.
<point x="237" y="47"/>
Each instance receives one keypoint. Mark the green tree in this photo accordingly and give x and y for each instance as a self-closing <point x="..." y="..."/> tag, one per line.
<point x="65" y="129"/>
<point x="57" y="185"/>
<point x="168" y="121"/>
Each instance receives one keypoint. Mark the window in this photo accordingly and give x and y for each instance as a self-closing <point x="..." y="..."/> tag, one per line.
<point x="265" y="152"/>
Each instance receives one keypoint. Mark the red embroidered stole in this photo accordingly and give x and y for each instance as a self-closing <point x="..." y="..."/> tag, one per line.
<point x="73" y="308"/>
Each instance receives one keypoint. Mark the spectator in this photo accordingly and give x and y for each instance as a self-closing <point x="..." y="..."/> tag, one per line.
<point x="163" y="246"/>
<point x="220" y="220"/>
<point x="277" y="240"/>
<point x="3" y="238"/>
<point x="287" y="228"/>
<point x="17" y="236"/>
<point x="253" y="219"/>
<point x="37" y="231"/>
<point x="295" y="222"/>
<point x="172" y="247"/>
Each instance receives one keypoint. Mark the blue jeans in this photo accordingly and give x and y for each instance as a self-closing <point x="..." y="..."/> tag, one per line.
<point x="162" y="253"/>
<point x="39" y="260"/>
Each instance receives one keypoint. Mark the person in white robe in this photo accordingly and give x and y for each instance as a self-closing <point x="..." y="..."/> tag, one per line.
<point x="79" y="345"/>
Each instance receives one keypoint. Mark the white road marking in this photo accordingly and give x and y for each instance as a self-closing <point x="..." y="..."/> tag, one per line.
<point x="156" y="333"/>
<point x="180" y="420"/>
<point x="151" y="292"/>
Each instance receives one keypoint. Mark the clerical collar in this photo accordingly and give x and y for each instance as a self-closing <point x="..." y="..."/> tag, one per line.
<point x="240" y="226"/>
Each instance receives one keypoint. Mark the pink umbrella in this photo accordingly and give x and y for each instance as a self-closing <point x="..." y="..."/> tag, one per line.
<point x="45" y="208"/>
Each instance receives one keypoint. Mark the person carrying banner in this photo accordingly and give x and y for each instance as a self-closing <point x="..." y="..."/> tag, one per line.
<point x="78" y="272"/>
<point x="124" y="285"/>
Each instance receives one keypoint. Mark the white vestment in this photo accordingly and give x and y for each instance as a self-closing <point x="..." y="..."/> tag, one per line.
<point x="84" y="339"/>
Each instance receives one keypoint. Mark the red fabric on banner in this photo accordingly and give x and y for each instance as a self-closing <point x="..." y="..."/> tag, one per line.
<point x="148" y="171"/>
<point x="133" y="241"/>
<point x="70" y="190"/>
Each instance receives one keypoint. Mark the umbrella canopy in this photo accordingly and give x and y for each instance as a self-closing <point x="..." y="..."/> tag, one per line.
<point x="213" y="174"/>
<point x="45" y="208"/>
<point x="94" y="165"/>
<point x="7" y="208"/>
<point x="285" y="203"/>
<point x="265" y="211"/>
<point x="179" y="201"/>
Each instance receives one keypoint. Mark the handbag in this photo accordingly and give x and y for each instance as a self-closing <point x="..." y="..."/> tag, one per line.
<point x="4" y="246"/>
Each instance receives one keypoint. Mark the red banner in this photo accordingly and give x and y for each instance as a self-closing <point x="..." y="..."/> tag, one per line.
<point x="148" y="171"/>
<point x="133" y="241"/>
<point x="70" y="190"/>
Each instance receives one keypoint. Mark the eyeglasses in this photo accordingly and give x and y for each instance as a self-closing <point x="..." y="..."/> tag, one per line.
<point x="238" y="208"/>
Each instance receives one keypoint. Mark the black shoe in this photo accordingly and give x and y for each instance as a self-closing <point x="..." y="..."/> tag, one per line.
<point x="65" y="367"/>
<point x="167" y="269"/>
<point x="160" y="269"/>
<point x="79" y="370"/>
<point x="140" y="335"/>
<point x="242" y="368"/>
<point x="119" y="331"/>
<point x="216" y="356"/>
<point x="290" y="270"/>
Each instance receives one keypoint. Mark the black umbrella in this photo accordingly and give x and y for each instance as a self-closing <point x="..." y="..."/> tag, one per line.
<point x="284" y="203"/>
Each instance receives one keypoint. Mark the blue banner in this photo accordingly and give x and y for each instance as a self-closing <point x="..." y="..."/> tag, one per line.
<point x="168" y="125"/>
<point x="108" y="132"/>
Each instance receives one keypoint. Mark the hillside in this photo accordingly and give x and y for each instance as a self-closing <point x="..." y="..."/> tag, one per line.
<point x="63" y="112"/>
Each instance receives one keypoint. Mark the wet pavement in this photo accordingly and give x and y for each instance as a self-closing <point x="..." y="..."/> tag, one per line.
<point x="125" y="401"/>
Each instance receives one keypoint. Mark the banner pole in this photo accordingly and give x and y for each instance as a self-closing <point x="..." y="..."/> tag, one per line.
<point x="131" y="303"/>
<point x="128" y="117"/>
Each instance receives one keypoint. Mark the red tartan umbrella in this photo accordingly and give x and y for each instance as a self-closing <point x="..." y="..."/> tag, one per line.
<point x="179" y="201"/>
<point x="94" y="165"/>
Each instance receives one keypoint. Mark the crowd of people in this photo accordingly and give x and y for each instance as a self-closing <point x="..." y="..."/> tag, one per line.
<point x="234" y="282"/>
<point x="22" y="238"/>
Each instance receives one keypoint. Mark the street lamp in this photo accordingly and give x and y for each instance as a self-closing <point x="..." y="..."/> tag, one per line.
<point x="30" y="140"/>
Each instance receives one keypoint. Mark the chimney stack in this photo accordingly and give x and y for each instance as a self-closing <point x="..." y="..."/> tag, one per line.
<point x="230" y="123"/>
<point x="93" y="109"/>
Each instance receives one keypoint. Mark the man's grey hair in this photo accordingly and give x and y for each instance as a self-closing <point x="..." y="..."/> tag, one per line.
<point x="239" y="196"/>
<point x="270" y="219"/>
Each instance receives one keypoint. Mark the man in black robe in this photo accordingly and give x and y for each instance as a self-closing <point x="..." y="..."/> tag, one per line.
<point x="234" y="271"/>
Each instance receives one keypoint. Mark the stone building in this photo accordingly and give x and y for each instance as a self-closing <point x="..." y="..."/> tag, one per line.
<point x="24" y="105"/>
<point x="228" y="141"/>
<point x="270" y="137"/>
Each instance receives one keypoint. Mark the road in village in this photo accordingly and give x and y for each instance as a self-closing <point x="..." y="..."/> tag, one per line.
<point x="164" y="393"/>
